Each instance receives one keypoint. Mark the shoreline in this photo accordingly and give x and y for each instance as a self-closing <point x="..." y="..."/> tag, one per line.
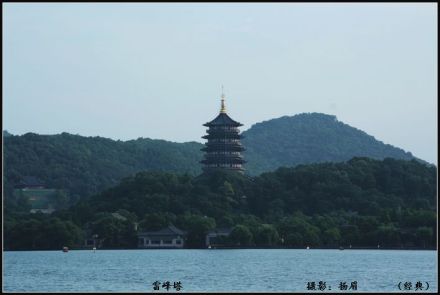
<point x="234" y="248"/>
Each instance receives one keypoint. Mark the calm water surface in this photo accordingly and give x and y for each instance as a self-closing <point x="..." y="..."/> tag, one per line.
<point x="217" y="270"/>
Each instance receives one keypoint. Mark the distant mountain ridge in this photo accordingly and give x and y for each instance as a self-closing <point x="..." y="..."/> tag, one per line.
<point x="87" y="165"/>
<point x="310" y="138"/>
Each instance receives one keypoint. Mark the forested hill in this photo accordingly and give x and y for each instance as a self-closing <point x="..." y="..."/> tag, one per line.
<point x="86" y="165"/>
<point x="361" y="202"/>
<point x="310" y="138"/>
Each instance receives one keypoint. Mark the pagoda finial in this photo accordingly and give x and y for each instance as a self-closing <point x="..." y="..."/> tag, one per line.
<point x="223" y="108"/>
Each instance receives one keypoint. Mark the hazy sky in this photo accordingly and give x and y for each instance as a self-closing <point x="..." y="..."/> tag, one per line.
<point x="155" y="70"/>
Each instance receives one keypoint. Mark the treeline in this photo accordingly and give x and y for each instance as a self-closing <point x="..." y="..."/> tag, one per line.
<point x="310" y="138"/>
<point x="83" y="166"/>
<point x="362" y="202"/>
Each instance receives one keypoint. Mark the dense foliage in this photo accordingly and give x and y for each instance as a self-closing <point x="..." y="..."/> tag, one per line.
<point x="83" y="166"/>
<point x="38" y="231"/>
<point x="310" y="138"/>
<point x="362" y="202"/>
<point x="86" y="165"/>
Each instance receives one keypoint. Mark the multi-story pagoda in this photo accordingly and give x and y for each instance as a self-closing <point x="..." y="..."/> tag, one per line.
<point x="223" y="148"/>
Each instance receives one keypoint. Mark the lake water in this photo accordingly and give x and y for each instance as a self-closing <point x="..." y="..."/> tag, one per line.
<point x="218" y="270"/>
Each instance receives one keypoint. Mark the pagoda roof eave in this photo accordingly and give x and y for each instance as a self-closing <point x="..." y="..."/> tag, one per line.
<point x="221" y="120"/>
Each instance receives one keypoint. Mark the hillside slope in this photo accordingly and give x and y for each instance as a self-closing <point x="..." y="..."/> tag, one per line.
<point x="87" y="165"/>
<point x="310" y="138"/>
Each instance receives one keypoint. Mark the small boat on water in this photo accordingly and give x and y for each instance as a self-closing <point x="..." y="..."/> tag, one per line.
<point x="308" y="248"/>
<point x="65" y="249"/>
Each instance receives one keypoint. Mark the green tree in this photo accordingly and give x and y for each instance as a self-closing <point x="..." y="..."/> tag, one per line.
<point x="227" y="188"/>
<point x="349" y="234"/>
<point x="266" y="235"/>
<point x="424" y="235"/>
<point x="154" y="221"/>
<point x="241" y="236"/>
<point x="294" y="239"/>
<point x="299" y="225"/>
<point x="61" y="199"/>
<point x="197" y="227"/>
<point x="115" y="232"/>
<point x="388" y="235"/>
<point x="331" y="236"/>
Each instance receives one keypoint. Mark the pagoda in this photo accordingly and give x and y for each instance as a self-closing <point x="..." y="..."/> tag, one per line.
<point x="223" y="148"/>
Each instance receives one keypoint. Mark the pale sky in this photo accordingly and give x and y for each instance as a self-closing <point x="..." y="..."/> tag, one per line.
<point x="133" y="70"/>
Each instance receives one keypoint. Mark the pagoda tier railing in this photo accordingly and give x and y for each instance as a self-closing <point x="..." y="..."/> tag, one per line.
<point x="222" y="143"/>
<point x="220" y="161"/>
<point x="223" y="152"/>
<point x="223" y="129"/>
<point x="209" y="131"/>
<point x="223" y="147"/>
<point x="222" y="156"/>
<point x="223" y="135"/>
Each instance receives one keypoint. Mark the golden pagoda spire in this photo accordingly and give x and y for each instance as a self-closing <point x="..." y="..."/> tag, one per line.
<point x="223" y="108"/>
